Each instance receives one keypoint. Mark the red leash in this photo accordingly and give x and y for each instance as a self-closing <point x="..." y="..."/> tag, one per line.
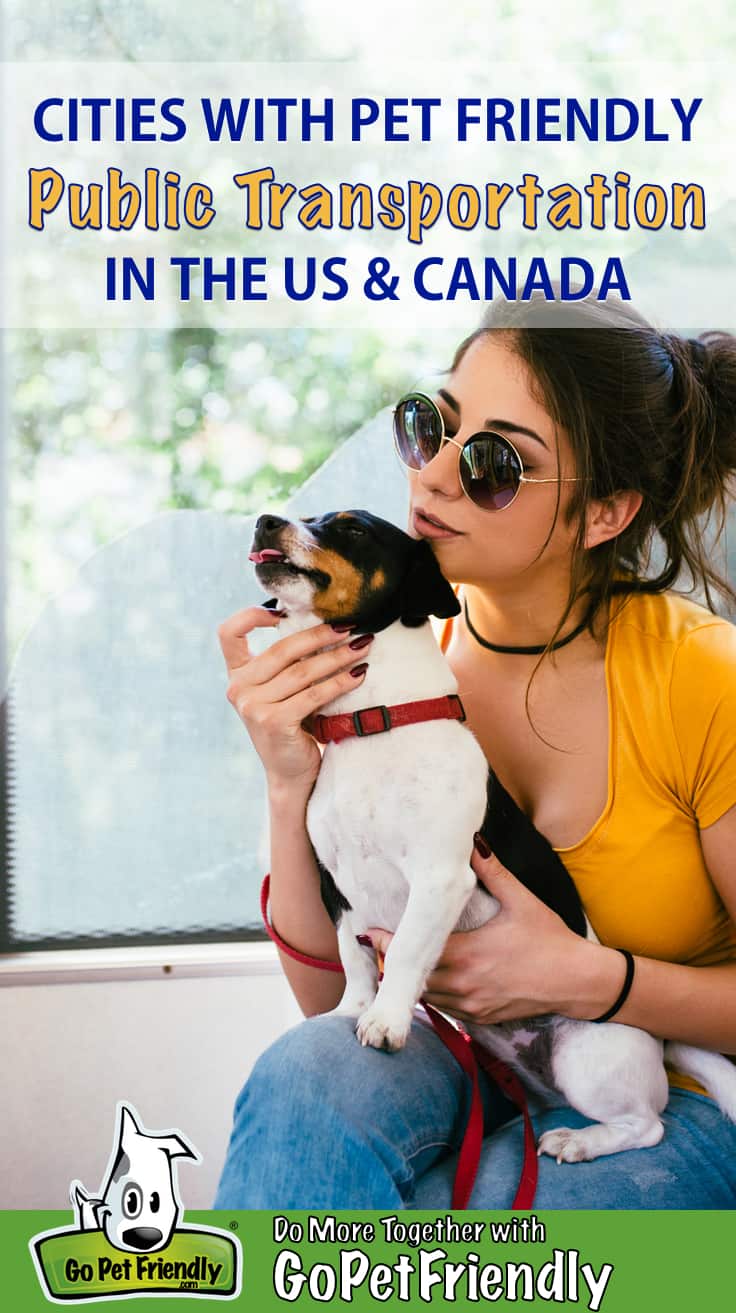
<point x="469" y="1054"/>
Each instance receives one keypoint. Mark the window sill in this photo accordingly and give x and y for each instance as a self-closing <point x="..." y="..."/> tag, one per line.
<point x="90" y="965"/>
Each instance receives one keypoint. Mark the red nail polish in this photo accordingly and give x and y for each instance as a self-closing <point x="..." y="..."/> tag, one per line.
<point x="357" y="671"/>
<point x="481" y="845"/>
<point x="363" y="641"/>
<point x="343" y="629"/>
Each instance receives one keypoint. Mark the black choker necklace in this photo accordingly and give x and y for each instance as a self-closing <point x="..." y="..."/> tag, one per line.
<point x="536" y="650"/>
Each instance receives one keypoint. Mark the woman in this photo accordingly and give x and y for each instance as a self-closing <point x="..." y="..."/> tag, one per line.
<point x="606" y="706"/>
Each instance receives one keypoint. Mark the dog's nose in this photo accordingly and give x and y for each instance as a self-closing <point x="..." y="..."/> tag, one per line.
<point x="266" y="532"/>
<point x="142" y="1237"/>
<point x="266" y="525"/>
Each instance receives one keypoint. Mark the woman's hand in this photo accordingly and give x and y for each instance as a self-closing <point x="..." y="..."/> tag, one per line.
<point x="275" y="693"/>
<point x="523" y="963"/>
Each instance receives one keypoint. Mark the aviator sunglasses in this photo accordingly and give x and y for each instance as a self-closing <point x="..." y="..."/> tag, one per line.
<point x="491" y="469"/>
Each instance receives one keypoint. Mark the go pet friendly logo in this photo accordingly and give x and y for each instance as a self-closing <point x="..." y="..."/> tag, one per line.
<point x="126" y="1240"/>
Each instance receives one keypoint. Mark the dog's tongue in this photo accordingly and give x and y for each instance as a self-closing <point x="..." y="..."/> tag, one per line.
<point x="268" y="554"/>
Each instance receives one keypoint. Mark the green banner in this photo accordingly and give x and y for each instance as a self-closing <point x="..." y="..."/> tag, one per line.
<point x="74" y="1265"/>
<point x="621" y="1262"/>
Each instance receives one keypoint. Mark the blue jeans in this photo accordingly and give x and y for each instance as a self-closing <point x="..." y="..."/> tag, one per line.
<point x="323" y="1123"/>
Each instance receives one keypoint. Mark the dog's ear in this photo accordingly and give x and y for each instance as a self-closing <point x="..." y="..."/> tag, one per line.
<point x="425" y="590"/>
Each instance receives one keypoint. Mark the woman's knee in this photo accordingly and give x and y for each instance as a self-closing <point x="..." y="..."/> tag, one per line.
<point x="310" y="1066"/>
<point x="320" y="1065"/>
<point x="305" y="1047"/>
<point x="298" y="1052"/>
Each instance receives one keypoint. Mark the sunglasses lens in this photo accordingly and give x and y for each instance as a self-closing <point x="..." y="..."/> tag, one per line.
<point x="491" y="471"/>
<point x="417" y="432"/>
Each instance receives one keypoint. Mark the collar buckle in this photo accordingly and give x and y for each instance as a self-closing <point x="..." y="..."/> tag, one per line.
<point x="455" y="698"/>
<point x="361" y="731"/>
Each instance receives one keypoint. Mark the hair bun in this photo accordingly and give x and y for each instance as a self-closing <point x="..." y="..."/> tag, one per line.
<point x="698" y="353"/>
<point x="704" y="388"/>
<point x="716" y="360"/>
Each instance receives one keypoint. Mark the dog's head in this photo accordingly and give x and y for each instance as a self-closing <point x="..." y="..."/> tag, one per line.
<point x="138" y="1206"/>
<point x="350" y="566"/>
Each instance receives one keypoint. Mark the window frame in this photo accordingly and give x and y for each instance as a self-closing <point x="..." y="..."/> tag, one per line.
<point x="63" y="966"/>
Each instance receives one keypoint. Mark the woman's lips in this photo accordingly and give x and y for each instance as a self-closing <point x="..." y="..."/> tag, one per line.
<point x="428" y="528"/>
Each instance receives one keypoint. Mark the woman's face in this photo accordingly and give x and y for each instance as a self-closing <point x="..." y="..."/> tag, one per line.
<point x="490" y="389"/>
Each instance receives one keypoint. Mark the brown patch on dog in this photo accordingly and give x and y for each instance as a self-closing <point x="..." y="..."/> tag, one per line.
<point x="342" y="594"/>
<point x="377" y="581"/>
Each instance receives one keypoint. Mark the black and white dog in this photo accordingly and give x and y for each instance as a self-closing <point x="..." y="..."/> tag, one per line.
<point x="391" y="819"/>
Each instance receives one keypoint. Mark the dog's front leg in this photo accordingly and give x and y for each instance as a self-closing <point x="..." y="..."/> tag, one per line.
<point x="433" y="908"/>
<point x="361" y="971"/>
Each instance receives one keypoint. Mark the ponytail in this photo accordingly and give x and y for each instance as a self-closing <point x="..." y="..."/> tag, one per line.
<point x="703" y="454"/>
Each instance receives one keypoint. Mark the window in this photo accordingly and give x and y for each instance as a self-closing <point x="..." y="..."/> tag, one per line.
<point x="136" y="802"/>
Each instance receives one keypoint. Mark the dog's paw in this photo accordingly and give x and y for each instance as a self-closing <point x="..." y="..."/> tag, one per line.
<point x="566" y="1145"/>
<point x="351" y="1007"/>
<point x="382" y="1029"/>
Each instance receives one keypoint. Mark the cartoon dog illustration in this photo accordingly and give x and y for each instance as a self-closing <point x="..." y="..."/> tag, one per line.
<point x="138" y="1204"/>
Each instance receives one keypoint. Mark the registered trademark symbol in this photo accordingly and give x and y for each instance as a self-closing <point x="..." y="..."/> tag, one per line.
<point x="233" y="1226"/>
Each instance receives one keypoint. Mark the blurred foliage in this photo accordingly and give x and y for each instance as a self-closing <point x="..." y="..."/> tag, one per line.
<point x="155" y="30"/>
<point x="328" y="29"/>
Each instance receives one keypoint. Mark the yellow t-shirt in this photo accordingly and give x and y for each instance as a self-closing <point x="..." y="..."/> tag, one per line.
<point x="671" y="681"/>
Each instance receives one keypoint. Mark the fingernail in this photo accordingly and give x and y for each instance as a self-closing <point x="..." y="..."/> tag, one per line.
<point x="365" y="940"/>
<point x="343" y="629"/>
<point x="357" y="671"/>
<point x="272" y="611"/>
<point x="363" y="641"/>
<point x="481" y="845"/>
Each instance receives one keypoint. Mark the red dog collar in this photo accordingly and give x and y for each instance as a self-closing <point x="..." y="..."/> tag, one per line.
<point x="376" y="720"/>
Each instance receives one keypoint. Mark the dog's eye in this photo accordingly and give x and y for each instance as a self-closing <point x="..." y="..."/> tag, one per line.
<point x="355" y="530"/>
<point x="154" y="1202"/>
<point x="132" y="1200"/>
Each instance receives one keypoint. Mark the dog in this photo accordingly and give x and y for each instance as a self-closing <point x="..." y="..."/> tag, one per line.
<point x="138" y="1205"/>
<point x="391" y="820"/>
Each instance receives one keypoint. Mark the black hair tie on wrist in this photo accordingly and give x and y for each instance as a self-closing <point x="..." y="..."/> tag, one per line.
<point x="625" y="988"/>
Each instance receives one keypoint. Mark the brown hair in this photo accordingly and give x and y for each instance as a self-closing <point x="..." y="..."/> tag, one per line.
<point x="643" y="411"/>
